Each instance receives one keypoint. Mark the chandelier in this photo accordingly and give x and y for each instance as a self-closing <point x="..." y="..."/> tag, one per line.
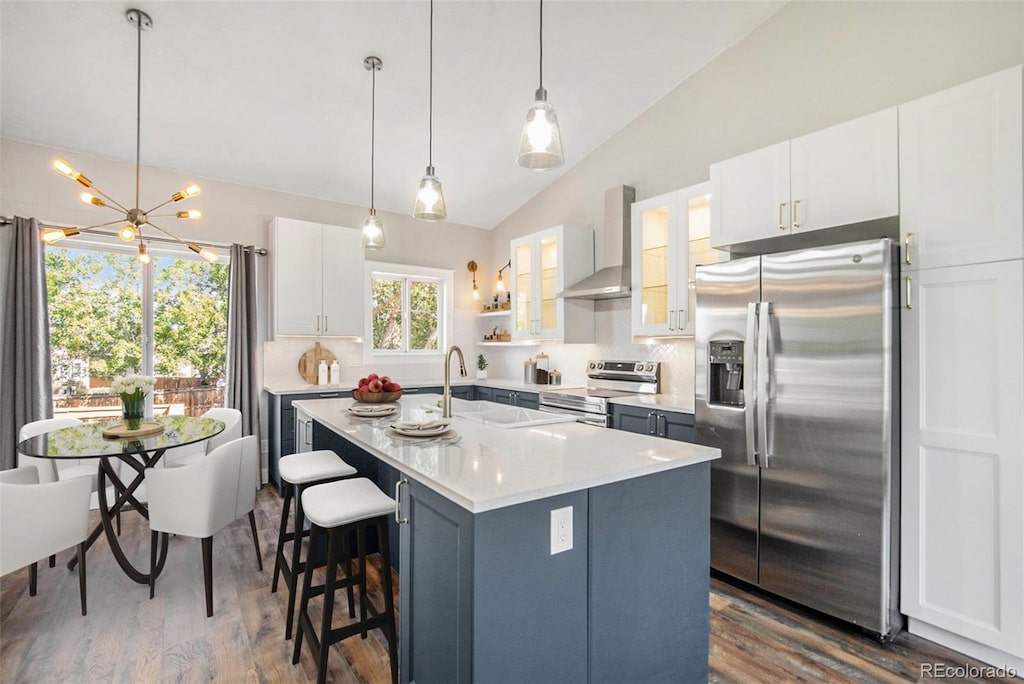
<point x="134" y="219"/>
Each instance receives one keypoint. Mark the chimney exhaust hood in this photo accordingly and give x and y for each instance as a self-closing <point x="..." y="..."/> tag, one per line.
<point x="613" y="280"/>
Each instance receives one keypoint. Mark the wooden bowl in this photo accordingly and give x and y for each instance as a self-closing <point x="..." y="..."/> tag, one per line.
<point x="376" y="397"/>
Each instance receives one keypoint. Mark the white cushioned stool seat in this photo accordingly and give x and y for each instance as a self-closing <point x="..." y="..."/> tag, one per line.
<point x="347" y="501"/>
<point x="311" y="466"/>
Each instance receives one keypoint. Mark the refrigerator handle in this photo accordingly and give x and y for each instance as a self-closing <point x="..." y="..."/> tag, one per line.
<point x="764" y="379"/>
<point x="750" y="380"/>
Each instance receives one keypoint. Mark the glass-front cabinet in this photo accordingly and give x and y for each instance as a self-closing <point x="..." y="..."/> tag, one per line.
<point x="670" y="236"/>
<point x="543" y="264"/>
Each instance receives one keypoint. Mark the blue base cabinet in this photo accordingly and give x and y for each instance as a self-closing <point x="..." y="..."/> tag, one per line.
<point x="645" y="421"/>
<point x="482" y="598"/>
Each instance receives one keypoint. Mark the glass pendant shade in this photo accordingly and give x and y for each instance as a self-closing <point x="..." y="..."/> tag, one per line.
<point x="430" y="198"/>
<point x="373" y="231"/>
<point x="540" y="146"/>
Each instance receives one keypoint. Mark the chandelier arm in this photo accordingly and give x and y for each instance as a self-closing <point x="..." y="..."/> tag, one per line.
<point x="167" y="232"/>
<point x="102" y="225"/>
<point x="159" y="206"/>
<point x="109" y="199"/>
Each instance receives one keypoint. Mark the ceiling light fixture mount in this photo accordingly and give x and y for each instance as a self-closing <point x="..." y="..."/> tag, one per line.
<point x="135" y="218"/>
<point x="430" y="197"/>
<point x="373" y="227"/>
<point x="540" y="146"/>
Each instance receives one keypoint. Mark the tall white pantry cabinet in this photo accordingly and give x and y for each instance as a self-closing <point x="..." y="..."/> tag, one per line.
<point x="962" y="225"/>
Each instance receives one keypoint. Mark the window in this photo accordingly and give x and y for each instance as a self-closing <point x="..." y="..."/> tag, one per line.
<point x="110" y="315"/>
<point x="409" y="309"/>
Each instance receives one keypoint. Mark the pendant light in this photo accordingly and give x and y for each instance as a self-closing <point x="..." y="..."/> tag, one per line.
<point x="135" y="219"/>
<point x="373" y="228"/>
<point x="430" y="197"/>
<point x="540" y="146"/>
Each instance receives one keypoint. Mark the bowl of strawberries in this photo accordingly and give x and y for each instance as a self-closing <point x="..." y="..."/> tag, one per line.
<point x="377" y="389"/>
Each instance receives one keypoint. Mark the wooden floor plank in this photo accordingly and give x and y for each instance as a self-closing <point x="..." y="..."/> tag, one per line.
<point x="126" y="637"/>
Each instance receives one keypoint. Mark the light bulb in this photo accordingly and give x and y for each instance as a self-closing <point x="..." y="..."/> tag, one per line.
<point x="540" y="146"/>
<point x="190" y="214"/>
<point x="476" y="293"/>
<point x="430" y="198"/>
<point x="143" y="256"/>
<point x="64" y="168"/>
<point x="501" y="284"/>
<point x="209" y="255"/>
<point x="373" y="231"/>
<point x="190" y="191"/>
<point x="127" y="232"/>
<point x="57" y="234"/>
<point x="90" y="198"/>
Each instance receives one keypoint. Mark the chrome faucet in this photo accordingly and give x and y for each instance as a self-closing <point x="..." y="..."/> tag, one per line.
<point x="446" y="399"/>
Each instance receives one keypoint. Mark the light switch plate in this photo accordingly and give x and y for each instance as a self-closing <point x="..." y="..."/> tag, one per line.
<point x="561" y="530"/>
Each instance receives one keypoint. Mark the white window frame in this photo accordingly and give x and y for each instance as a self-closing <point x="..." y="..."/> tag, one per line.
<point x="102" y="242"/>
<point x="446" y="281"/>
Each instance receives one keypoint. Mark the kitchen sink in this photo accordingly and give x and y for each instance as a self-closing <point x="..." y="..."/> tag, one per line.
<point x="500" y="416"/>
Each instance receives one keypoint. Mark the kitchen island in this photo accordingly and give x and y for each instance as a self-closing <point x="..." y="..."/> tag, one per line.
<point x="483" y="598"/>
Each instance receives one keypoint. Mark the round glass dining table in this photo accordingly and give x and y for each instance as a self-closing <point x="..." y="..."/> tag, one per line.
<point x="137" y="454"/>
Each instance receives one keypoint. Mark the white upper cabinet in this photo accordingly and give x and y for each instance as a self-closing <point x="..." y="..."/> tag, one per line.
<point x="543" y="263"/>
<point x="670" y="236"/>
<point x="316" y="276"/>
<point x="961" y="198"/>
<point x="841" y="175"/>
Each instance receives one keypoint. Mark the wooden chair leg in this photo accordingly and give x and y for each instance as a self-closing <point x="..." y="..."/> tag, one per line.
<point x="256" y="540"/>
<point x="152" y="562"/>
<point x="208" y="573"/>
<point x="81" y="574"/>
<point x="282" y="532"/>
<point x="53" y="560"/>
<point x="33" y="571"/>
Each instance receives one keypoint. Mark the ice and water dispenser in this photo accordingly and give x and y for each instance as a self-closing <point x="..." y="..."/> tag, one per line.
<point x="725" y="362"/>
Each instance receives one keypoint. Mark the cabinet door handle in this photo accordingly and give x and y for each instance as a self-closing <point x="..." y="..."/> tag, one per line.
<point x="796" y="213"/>
<point x="906" y="249"/>
<point x="307" y="432"/>
<point x="325" y="323"/>
<point x="318" y="322"/>
<point x="398" y="502"/>
<point x="782" y="224"/>
<point x="671" y="320"/>
<point x="909" y="304"/>
<point x="659" y="420"/>
<point x="650" y="429"/>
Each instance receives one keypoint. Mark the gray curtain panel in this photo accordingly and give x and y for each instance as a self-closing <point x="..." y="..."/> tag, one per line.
<point x="26" y="394"/>
<point x="243" y="393"/>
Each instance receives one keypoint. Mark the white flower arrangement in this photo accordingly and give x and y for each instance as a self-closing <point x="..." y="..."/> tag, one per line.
<point x="130" y="384"/>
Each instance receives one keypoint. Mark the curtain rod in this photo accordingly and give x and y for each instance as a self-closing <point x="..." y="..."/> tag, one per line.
<point x="260" y="251"/>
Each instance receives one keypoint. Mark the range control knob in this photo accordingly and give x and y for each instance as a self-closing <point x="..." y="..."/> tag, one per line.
<point x="639" y="367"/>
<point x="592" y="365"/>
<point x="600" y="366"/>
<point x="649" y="367"/>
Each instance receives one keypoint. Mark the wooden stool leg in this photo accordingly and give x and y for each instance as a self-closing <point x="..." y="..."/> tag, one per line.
<point x="328" y="617"/>
<point x="282" y="532"/>
<point x="346" y="546"/>
<point x="53" y="560"/>
<point x="361" y="546"/>
<point x="307" y="581"/>
<point x="293" y="579"/>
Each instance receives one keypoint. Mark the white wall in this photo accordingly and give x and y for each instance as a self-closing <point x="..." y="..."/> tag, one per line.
<point x="811" y="65"/>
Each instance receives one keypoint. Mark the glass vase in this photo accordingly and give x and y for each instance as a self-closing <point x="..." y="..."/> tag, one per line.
<point x="133" y="409"/>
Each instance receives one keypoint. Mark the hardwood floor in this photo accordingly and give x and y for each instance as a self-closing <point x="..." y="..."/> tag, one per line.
<point x="126" y="637"/>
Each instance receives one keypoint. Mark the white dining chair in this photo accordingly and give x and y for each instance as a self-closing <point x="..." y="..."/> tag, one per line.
<point x="40" y="519"/>
<point x="202" y="498"/>
<point x="52" y="469"/>
<point x="232" y="419"/>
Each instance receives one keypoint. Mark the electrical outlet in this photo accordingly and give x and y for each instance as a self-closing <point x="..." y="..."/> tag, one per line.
<point x="561" y="530"/>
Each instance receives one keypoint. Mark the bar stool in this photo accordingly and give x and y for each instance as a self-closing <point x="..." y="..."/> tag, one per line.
<point x="335" y="511"/>
<point x="300" y="471"/>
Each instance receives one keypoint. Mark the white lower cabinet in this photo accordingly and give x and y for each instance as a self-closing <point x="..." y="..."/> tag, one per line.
<point x="963" y="458"/>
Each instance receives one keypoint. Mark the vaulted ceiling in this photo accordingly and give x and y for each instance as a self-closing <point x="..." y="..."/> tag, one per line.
<point x="275" y="95"/>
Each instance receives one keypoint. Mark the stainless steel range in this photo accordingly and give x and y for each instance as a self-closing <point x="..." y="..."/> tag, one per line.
<point x="605" y="380"/>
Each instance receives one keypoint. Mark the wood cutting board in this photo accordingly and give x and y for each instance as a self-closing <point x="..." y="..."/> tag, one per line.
<point x="309" y="362"/>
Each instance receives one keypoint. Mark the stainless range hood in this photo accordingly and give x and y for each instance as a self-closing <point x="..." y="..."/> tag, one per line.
<point x="613" y="280"/>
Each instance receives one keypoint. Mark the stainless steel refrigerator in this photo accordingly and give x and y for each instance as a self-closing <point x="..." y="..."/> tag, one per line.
<point x="797" y="372"/>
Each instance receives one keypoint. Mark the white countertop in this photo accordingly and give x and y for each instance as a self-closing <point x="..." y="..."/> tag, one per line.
<point x="681" y="403"/>
<point x="299" y="387"/>
<point x="493" y="467"/>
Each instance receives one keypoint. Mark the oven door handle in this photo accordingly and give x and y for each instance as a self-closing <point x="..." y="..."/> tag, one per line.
<point x="547" y="401"/>
<point x="598" y="419"/>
